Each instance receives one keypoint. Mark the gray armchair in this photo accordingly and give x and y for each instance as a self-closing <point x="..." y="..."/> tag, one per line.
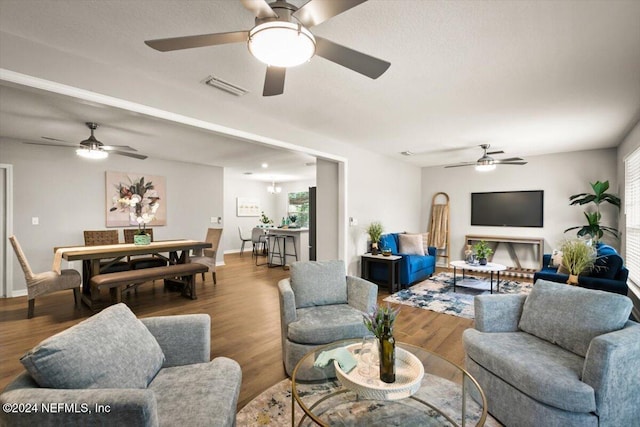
<point x="562" y="356"/>
<point x="320" y="304"/>
<point x="115" y="370"/>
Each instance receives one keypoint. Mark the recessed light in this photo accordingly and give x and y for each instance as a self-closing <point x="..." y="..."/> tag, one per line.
<point x="265" y="165"/>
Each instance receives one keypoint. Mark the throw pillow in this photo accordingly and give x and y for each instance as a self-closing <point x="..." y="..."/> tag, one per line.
<point x="111" y="349"/>
<point x="571" y="317"/>
<point x="425" y="243"/>
<point x="319" y="283"/>
<point x="410" y="244"/>
<point x="556" y="258"/>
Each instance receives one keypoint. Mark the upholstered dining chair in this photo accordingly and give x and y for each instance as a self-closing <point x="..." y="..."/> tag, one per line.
<point x="39" y="284"/>
<point x="208" y="256"/>
<point x="143" y="261"/>
<point x="105" y="237"/>
<point x="259" y="240"/>
<point x="244" y="240"/>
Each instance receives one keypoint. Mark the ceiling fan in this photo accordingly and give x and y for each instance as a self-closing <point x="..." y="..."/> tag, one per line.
<point x="488" y="163"/>
<point x="91" y="148"/>
<point x="281" y="39"/>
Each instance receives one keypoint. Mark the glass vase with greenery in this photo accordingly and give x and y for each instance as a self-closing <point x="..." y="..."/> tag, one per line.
<point x="593" y="228"/>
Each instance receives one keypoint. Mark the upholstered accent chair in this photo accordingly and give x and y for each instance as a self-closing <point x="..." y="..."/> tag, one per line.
<point x="208" y="256"/>
<point x="139" y="262"/>
<point x="104" y="237"/>
<point x="561" y="356"/>
<point x="320" y="304"/>
<point x="243" y="239"/>
<point x="39" y="284"/>
<point x="144" y="372"/>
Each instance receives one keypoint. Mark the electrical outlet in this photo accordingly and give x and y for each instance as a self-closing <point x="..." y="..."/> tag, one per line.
<point x="353" y="221"/>
<point x="35" y="220"/>
<point x="219" y="220"/>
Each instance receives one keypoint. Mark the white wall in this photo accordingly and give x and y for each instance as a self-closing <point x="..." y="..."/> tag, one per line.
<point x="559" y="175"/>
<point x="67" y="194"/>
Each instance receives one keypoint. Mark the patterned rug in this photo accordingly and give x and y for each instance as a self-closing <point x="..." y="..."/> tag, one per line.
<point x="436" y="293"/>
<point x="273" y="407"/>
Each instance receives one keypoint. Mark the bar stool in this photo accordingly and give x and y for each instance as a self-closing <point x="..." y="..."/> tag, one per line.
<point x="278" y="250"/>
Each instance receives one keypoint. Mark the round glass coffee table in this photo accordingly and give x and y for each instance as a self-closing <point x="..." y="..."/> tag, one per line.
<point x="447" y="396"/>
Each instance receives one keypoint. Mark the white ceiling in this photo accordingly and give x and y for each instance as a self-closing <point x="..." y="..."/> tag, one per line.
<point x="528" y="77"/>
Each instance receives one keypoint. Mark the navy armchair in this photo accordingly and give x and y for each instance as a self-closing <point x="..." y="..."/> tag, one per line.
<point x="610" y="275"/>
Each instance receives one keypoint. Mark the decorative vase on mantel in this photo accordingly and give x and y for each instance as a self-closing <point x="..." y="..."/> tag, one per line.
<point x="141" y="239"/>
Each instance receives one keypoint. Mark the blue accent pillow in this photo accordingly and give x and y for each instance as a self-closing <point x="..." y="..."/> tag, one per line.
<point x="112" y="349"/>
<point x="388" y="241"/>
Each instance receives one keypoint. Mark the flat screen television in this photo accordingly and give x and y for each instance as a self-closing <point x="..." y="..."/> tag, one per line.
<point x="508" y="208"/>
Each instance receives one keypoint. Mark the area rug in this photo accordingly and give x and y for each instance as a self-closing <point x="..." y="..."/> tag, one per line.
<point x="436" y="293"/>
<point x="273" y="407"/>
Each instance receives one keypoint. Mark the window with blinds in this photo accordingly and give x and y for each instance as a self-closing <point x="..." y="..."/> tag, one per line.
<point x="632" y="211"/>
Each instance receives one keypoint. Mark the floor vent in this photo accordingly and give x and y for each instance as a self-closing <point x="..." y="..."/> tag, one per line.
<point x="218" y="83"/>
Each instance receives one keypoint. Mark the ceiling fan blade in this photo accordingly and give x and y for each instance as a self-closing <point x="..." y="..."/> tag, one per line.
<point x="202" y="40"/>
<point x="274" y="81"/>
<point x="52" y="144"/>
<point x="118" y="147"/>
<point x="316" y="12"/>
<point x="495" y="152"/>
<point x="499" y="162"/>
<point x="461" y="164"/>
<point x="510" y="159"/>
<point x="128" y="154"/>
<point x="352" y="59"/>
<point x="260" y="8"/>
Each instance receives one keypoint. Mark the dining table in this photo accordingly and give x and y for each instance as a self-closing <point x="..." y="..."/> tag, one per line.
<point x="178" y="252"/>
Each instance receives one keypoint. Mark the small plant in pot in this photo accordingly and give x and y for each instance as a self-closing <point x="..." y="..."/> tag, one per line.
<point x="578" y="256"/>
<point x="482" y="251"/>
<point x="375" y="232"/>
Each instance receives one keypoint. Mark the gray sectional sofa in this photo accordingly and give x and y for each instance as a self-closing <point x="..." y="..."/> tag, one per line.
<point x="116" y="370"/>
<point x="562" y="356"/>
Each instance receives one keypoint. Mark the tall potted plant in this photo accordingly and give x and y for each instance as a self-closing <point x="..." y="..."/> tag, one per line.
<point x="593" y="228"/>
<point x="375" y="230"/>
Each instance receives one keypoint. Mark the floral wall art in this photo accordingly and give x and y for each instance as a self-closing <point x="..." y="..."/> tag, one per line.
<point x="134" y="199"/>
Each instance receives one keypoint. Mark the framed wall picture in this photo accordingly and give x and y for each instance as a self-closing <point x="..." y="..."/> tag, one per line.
<point x="134" y="197"/>
<point x="248" y="206"/>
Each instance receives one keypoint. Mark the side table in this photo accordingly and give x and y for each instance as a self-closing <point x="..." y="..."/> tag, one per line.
<point x="393" y="267"/>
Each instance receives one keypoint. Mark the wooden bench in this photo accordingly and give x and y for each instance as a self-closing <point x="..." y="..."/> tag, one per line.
<point x="181" y="273"/>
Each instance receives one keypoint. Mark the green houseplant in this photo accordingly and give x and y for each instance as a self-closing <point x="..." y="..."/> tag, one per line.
<point x="577" y="257"/>
<point x="483" y="251"/>
<point x="375" y="231"/>
<point x="593" y="228"/>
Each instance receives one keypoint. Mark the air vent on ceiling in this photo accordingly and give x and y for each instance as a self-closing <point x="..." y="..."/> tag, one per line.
<point x="218" y="83"/>
<point x="407" y="153"/>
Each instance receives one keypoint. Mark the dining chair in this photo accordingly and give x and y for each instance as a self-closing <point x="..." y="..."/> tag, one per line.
<point x="259" y="240"/>
<point x="39" y="284"/>
<point x="244" y="240"/>
<point x="105" y="237"/>
<point x="144" y="261"/>
<point x="208" y="256"/>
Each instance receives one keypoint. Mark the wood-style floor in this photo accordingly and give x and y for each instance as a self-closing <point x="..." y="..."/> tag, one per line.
<point x="245" y="322"/>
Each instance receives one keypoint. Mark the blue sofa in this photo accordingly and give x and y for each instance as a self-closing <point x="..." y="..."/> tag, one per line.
<point x="413" y="268"/>
<point x="611" y="275"/>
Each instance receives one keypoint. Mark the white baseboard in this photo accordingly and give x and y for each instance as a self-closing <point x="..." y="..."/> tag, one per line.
<point x="18" y="293"/>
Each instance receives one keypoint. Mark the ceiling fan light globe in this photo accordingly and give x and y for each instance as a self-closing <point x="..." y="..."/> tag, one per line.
<point x="281" y="44"/>
<point x="485" y="167"/>
<point x="92" y="154"/>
